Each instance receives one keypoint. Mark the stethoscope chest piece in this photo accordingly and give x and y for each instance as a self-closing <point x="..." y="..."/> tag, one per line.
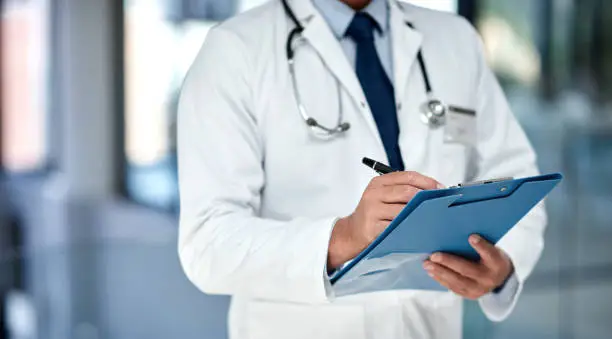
<point x="434" y="113"/>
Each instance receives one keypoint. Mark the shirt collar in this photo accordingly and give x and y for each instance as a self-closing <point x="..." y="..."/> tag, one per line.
<point x="339" y="15"/>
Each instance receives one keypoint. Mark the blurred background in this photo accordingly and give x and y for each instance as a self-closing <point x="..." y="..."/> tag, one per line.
<point x="88" y="191"/>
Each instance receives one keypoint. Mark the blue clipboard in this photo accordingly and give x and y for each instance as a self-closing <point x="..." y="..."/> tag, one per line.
<point x="440" y="221"/>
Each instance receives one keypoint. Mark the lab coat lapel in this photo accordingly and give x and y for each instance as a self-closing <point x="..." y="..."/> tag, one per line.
<point x="320" y="37"/>
<point x="406" y="43"/>
<point x="409" y="86"/>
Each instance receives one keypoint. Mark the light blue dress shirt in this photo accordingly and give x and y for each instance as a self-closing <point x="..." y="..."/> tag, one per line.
<point x="339" y="15"/>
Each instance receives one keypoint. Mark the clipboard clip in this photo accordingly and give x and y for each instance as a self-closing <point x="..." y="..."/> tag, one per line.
<point x="483" y="182"/>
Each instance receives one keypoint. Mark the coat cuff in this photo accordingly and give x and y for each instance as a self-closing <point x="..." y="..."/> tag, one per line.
<point x="324" y="291"/>
<point x="498" y="306"/>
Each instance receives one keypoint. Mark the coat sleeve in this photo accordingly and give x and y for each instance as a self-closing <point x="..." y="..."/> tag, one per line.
<point x="225" y="247"/>
<point x="503" y="150"/>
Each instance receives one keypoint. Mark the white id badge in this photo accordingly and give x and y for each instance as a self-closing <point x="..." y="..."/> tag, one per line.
<point x="460" y="126"/>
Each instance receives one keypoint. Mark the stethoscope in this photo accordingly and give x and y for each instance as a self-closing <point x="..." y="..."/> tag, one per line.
<point x="433" y="111"/>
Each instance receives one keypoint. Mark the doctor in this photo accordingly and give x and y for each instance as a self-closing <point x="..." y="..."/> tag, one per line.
<point x="276" y="113"/>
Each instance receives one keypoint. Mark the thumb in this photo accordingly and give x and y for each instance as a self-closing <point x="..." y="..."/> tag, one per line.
<point x="487" y="251"/>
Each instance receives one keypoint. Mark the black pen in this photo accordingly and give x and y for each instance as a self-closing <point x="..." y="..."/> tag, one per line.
<point x="377" y="166"/>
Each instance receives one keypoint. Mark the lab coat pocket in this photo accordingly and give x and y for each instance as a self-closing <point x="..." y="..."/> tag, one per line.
<point x="269" y="320"/>
<point x="460" y="126"/>
<point x="458" y="139"/>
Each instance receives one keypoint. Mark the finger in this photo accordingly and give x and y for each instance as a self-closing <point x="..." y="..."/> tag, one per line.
<point x="398" y="194"/>
<point x="487" y="251"/>
<point x="452" y="280"/>
<point x="472" y="295"/>
<point x="459" y="265"/>
<point x="451" y="277"/>
<point x="407" y="178"/>
<point x="475" y="272"/>
<point x="388" y="211"/>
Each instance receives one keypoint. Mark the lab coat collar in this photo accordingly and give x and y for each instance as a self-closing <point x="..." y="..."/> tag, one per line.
<point x="305" y="10"/>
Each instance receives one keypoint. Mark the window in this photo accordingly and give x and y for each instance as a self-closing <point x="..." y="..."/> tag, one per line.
<point x="554" y="59"/>
<point x="162" y="38"/>
<point x="549" y="46"/>
<point x="25" y="56"/>
<point x="510" y="32"/>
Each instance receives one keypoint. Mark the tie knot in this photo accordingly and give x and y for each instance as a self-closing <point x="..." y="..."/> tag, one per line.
<point x="361" y="28"/>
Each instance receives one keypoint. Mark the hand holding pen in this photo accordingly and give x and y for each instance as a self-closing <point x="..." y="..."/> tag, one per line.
<point x="381" y="202"/>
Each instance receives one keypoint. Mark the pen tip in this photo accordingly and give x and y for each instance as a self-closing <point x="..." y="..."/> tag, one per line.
<point x="368" y="162"/>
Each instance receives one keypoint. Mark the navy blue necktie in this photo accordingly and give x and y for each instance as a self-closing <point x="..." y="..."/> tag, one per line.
<point x="376" y="85"/>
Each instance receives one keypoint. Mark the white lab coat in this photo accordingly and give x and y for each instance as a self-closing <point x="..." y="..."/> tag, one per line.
<point x="260" y="194"/>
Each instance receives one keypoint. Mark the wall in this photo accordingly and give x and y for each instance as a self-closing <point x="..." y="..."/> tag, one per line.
<point x="97" y="266"/>
<point x="123" y="280"/>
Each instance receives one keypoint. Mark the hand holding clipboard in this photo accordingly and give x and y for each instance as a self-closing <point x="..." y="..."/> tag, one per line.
<point x="394" y="259"/>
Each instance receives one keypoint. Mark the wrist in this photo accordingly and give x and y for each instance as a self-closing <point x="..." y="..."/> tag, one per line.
<point x="339" y="250"/>
<point x="508" y="275"/>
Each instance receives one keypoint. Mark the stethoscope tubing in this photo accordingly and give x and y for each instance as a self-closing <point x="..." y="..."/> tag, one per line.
<point x="430" y="118"/>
